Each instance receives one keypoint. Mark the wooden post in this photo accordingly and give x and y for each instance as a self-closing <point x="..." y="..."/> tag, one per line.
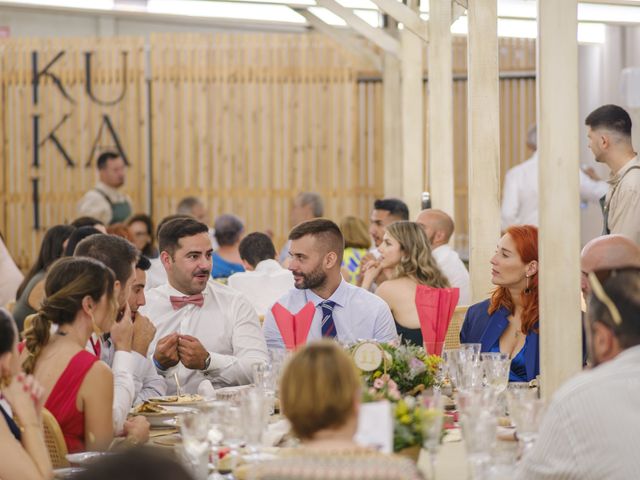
<point x="392" y="126"/>
<point x="558" y="148"/>
<point x="484" y="143"/>
<point x="441" y="107"/>
<point x="412" y="119"/>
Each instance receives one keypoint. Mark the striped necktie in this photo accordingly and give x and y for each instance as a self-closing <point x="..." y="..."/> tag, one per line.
<point x="328" y="326"/>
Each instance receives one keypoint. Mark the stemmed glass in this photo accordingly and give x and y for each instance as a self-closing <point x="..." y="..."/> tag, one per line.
<point x="526" y="411"/>
<point x="195" y="443"/>
<point x="433" y="416"/>
<point x="254" y="418"/>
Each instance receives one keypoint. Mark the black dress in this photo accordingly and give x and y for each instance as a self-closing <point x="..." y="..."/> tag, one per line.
<point x="12" y="424"/>
<point x="410" y="335"/>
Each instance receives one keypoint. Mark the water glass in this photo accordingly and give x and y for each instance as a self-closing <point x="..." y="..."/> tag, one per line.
<point x="470" y="351"/>
<point x="195" y="443"/>
<point x="526" y="411"/>
<point x="433" y="348"/>
<point x="479" y="432"/>
<point x="432" y="419"/>
<point x="496" y="366"/>
<point x="254" y="418"/>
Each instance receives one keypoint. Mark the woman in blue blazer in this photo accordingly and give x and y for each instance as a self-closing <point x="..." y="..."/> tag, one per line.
<point x="508" y="321"/>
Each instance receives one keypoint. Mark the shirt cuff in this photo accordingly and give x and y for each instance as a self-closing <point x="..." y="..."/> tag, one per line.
<point x="123" y="362"/>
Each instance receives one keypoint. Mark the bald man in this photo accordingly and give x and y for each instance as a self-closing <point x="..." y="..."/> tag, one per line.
<point x="439" y="227"/>
<point x="605" y="253"/>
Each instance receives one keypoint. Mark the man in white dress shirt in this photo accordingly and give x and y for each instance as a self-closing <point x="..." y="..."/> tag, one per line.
<point x="343" y="311"/>
<point x="264" y="280"/>
<point x="520" y="192"/>
<point x="590" y="430"/>
<point x="439" y="227"/>
<point x="120" y="256"/>
<point x="204" y="330"/>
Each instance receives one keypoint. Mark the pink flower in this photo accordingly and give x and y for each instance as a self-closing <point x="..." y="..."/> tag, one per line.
<point x="393" y="386"/>
<point x="378" y="383"/>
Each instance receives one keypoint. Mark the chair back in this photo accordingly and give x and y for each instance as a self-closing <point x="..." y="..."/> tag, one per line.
<point x="54" y="440"/>
<point x="452" y="340"/>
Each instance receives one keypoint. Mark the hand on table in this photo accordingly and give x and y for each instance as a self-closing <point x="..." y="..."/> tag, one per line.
<point x="137" y="429"/>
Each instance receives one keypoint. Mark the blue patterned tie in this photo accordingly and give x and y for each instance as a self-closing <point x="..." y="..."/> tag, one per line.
<point x="328" y="326"/>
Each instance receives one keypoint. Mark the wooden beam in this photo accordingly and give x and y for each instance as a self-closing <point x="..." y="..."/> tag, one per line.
<point x="559" y="209"/>
<point x="392" y="126"/>
<point x="483" y="143"/>
<point x="375" y="35"/>
<point x="403" y="14"/>
<point x="412" y="121"/>
<point x="343" y="37"/>
<point x="441" y="176"/>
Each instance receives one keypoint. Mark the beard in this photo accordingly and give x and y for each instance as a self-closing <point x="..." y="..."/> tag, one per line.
<point x="314" y="279"/>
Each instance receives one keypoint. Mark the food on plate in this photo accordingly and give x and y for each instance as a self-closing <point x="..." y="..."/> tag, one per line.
<point x="186" y="398"/>
<point x="148" y="407"/>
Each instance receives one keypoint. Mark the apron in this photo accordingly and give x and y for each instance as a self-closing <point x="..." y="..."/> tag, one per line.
<point x="605" y="206"/>
<point x="120" y="211"/>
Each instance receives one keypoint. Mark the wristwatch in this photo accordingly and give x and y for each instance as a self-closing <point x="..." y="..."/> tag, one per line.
<point x="207" y="362"/>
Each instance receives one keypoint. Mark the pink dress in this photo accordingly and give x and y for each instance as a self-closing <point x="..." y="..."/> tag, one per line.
<point x="62" y="400"/>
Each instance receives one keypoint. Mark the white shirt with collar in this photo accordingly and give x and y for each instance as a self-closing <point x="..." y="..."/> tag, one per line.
<point x="264" y="285"/>
<point x="93" y="204"/>
<point x="156" y="275"/>
<point x="226" y="325"/>
<point x="358" y="315"/>
<point x="450" y="264"/>
<point x="590" y="430"/>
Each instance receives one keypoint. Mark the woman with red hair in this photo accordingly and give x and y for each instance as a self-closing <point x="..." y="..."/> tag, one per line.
<point x="508" y="321"/>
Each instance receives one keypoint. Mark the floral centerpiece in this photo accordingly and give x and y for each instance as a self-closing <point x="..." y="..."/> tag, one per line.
<point x="402" y="372"/>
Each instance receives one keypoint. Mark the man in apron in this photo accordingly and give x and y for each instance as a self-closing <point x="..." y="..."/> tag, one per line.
<point x="609" y="132"/>
<point x="105" y="201"/>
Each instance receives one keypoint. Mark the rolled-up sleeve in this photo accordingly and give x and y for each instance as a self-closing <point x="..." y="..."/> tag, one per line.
<point x="124" y="388"/>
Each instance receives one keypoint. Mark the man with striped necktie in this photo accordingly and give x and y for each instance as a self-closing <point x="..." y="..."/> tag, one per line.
<point x="342" y="311"/>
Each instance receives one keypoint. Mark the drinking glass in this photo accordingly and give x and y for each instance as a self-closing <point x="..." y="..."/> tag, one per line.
<point x="526" y="411"/>
<point x="265" y="379"/>
<point x="195" y="443"/>
<point x="479" y="432"/>
<point x="470" y="351"/>
<point x="254" y="418"/>
<point x="496" y="366"/>
<point x="433" y="348"/>
<point x="433" y="416"/>
<point x="233" y="428"/>
<point x="450" y="362"/>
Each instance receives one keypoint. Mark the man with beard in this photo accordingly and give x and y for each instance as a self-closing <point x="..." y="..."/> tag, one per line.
<point x="342" y="311"/>
<point x="590" y="429"/>
<point x="609" y="133"/>
<point x="439" y="227"/>
<point x="204" y="330"/>
<point x="105" y="201"/>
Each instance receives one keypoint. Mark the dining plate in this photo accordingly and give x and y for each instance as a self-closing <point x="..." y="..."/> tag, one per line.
<point x="158" y="419"/>
<point x="85" y="458"/>
<point x="188" y="399"/>
<point x="69" y="472"/>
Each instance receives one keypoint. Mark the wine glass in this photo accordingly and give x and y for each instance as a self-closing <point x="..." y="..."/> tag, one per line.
<point x="496" y="366"/>
<point x="526" y="411"/>
<point x="432" y="419"/>
<point x="194" y="430"/>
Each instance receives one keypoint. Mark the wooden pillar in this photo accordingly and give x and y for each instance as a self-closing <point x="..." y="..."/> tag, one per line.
<point x="412" y="120"/>
<point x="440" y="138"/>
<point x="392" y="126"/>
<point x="483" y="143"/>
<point x="558" y="151"/>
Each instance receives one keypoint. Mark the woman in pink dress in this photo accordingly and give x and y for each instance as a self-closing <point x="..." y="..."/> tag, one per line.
<point x="406" y="252"/>
<point x="78" y="387"/>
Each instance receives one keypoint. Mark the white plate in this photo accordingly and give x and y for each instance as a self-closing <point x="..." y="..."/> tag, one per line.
<point x="85" y="458"/>
<point x="67" y="472"/>
<point x="159" y="419"/>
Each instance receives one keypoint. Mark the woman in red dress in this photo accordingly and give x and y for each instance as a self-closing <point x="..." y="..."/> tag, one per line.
<point x="79" y="300"/>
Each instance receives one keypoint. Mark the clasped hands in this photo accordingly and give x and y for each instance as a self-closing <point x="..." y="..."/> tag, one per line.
<point x="175" y="348"/>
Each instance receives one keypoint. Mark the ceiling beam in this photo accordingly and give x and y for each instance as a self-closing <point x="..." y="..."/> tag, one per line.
<point x="343" y="37"/>
<point x="375" y="35"/>
<point x="403" y="14"/>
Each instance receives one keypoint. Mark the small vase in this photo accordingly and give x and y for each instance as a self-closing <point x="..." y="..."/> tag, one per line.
<point x="410" y="452"/>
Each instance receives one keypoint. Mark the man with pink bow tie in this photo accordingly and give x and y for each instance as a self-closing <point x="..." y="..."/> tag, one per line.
<point x="204" y="330"/>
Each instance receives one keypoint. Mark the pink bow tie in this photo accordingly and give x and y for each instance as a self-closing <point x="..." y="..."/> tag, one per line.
<point x="179" y="302"/>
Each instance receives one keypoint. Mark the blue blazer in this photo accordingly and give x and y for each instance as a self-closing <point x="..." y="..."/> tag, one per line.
<point x="480" y="327"/>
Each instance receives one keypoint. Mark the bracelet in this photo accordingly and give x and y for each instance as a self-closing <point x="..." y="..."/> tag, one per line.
<point x="158" y="366"/>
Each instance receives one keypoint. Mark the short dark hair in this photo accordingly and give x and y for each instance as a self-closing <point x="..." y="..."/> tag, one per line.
<point x="143" y="264"/>
<point x="7" y="331"/>
<point x="77" y="236"/>
<point x="325" y="230"/>
<point x="173" y="230"/>
<point x="256" y="247"/>
<point x="186" y="205"/>
<point x="115" y="252"/>
<point x="104" y="157"/>
<point x="394" y="206"/>
<point x="135" y="464"/>
<point x="227" y="229"/>
<point x="86" y="222"/>
<point x="611" y="117"/>
<point x="623" y="288"/>
<point x="168" y="218"/>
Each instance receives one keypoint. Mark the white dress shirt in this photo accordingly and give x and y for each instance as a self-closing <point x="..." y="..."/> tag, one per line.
<point x="358" y="315"/>
<point x="156" y="275"/>
<point x="93" y="204"/>
<point x="263" y="286"/>
<point x="520" y="193"/>
<point x="590" y="430"/>
<point x="450" y="264"/>
<point x="226" y="325"/>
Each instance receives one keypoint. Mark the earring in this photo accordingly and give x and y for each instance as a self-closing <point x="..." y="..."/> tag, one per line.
<point x="527" y="290"/>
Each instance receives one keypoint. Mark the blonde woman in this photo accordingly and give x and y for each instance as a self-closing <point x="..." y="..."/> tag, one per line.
<point x="406" y="251"/>
<point x="356" y="245"/>
<point x="320" y="396"/>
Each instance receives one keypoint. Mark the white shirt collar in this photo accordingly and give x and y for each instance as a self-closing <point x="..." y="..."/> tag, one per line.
<point x="339" y="296"/>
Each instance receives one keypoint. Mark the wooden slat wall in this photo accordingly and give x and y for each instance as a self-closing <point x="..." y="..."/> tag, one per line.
<point x="60" y="185"/>
<point x="247" y="121"/>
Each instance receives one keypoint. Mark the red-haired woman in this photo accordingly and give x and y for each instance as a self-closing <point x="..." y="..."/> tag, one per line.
<point x="508" y="321"/>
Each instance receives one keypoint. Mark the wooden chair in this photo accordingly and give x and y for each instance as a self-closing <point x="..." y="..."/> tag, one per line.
<point x="452" y="340"/>
<point x="54" y="440"/>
